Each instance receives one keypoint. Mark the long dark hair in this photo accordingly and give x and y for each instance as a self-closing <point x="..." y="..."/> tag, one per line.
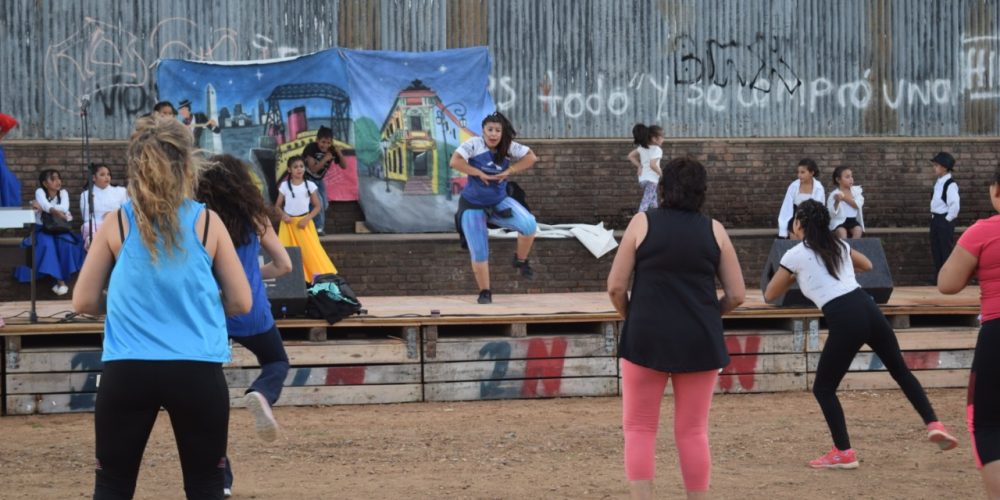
<point x="288" y="173"/>
<point x="43" y="176"/>
<point x="507" y="134"/>
<point x="227" y="188"/>
<point x="815" y="221"/>
<point x="642" y="134"/>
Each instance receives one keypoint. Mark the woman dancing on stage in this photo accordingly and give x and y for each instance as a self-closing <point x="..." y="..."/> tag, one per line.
<point x="488" y="161"/>
<point x="977" y="254"/>
<point x="673" y="324"/>
<point x="165" y="332"/>
<point x="824" y="267"/>
<point x="226" y="188"/>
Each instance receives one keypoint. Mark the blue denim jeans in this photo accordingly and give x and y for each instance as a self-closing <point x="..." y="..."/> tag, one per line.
<point x="273" y="362"/>
<point x="320" y="219"/>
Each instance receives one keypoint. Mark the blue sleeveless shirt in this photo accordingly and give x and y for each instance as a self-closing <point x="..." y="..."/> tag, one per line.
<point x="259" y="319"/>
<point x="170" y="310"/>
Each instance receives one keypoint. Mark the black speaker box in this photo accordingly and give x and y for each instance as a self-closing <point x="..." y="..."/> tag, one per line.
<point x="877" y="282"/>
<point x="287" y="293"/>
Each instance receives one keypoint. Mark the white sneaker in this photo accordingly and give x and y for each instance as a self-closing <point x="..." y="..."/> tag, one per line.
<point x="227" y="492"/>
<point x="60" y="289"/>
<point x="267" y="426"/>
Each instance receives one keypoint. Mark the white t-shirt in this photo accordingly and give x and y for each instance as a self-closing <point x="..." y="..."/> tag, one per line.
<point x="814" y="280"/>
<point x="106" y="200"/>
<point x="60" y="202"/>
<point x="647" y="155"/>
<point x="297" y="197"/>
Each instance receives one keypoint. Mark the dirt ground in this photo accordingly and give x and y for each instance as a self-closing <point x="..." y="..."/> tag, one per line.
<point x="556" y="448"/>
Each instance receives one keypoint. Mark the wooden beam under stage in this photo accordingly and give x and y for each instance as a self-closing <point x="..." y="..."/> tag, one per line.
<point x="506" y="308"/>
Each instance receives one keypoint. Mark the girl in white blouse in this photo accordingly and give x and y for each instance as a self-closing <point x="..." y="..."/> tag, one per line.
<point x="806" y="187"/>
<point x="844" y="204"/>
<point x="56" y="255"/>
<point x="107" y="199"/>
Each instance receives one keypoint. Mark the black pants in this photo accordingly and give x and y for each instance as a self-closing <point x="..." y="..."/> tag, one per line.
<point x="129" y="398"/>
<point x="984" y="388"/>
<point x="942" y="241"/>
<point x="854" y="320"/>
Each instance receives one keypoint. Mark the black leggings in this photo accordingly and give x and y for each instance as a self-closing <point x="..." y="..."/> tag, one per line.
<point x="129" y="398"/>
<point x="984" y="387"/>
<point x="854" y="320"/>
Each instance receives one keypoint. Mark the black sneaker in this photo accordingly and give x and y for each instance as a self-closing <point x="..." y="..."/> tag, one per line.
<point x="526" y="271"/>
<point x="485" y="297"/>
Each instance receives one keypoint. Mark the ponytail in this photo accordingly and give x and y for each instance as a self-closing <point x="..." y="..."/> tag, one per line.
<point x="642" y="135"/>
<point x="815" y="221"/>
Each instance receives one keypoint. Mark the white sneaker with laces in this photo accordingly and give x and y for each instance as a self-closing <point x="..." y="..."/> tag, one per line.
<point x="60" y="289"/>
<point x="227" y="492"/>
<point x="267" y="426"/>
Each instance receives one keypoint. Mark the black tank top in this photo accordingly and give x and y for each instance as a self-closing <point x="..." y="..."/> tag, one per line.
<point x="673" y="323"/>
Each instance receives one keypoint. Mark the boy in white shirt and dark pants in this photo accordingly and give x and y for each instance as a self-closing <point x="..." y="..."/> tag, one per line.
<point x="944" y="210"/>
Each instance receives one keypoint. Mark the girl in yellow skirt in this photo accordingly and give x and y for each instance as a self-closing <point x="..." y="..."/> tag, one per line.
<point x="297" y="230"/>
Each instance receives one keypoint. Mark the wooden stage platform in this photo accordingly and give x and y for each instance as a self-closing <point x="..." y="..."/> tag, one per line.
<point x="435" y="348"/>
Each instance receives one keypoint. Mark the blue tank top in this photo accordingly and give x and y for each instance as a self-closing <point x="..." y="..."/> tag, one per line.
<point x="170" y="310"/>
<point x="259" y="319"/>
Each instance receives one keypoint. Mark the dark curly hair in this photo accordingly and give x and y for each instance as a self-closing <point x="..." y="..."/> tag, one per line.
<point x="683" y="185"/>
<point x="227" y="188"/>
<point x="815" y="221"/>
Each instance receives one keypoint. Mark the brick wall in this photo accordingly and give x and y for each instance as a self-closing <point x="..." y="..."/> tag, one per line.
<point x="590" y="181"/>
<point x="578" y="181"/>
<point x="436" y="265"/>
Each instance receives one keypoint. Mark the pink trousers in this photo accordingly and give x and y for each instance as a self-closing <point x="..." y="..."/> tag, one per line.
<point x="642" y="393"/>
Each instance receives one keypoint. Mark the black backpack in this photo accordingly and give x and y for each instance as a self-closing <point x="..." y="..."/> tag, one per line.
<point x="331" y="298"/>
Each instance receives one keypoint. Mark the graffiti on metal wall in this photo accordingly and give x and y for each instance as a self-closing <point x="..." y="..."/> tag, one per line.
<point x="723" y="75"/>
<point x="112" y="68"/>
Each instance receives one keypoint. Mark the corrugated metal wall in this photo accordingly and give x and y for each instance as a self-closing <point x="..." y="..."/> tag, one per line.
<point x="562" y="68"/>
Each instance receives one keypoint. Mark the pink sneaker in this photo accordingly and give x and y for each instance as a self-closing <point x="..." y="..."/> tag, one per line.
<point x="836" y="459"/>
<point x="937" y="434"/>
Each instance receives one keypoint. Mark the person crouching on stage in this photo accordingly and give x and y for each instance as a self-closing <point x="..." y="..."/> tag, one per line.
<point x="165" y="332"/>
<point x="673" y="324"/>
<point x="107" y="199"/>
<point x="295" y="195"/>
<point x="824" y="267"/>
<point x="226" y="188"/>
<point x="488" y="161"/>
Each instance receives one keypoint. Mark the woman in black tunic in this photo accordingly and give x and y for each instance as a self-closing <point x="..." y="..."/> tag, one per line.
<point x="673" y="324"/>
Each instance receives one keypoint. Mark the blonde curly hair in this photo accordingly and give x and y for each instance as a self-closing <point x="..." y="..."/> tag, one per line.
<point x="162" y="168"/>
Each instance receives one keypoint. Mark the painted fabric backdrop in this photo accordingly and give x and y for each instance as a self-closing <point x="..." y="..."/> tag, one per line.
<point x="397" y="117"/>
